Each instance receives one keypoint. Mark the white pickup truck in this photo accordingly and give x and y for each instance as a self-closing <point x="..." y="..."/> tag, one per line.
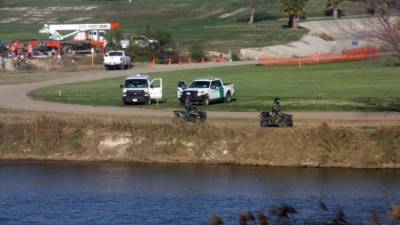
<point x="206" y="90"/>
<point x="140" y="89"/>
<point x="117" y="59"/>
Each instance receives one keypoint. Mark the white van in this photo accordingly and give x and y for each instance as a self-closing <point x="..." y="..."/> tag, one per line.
<point x="140" y="89"/>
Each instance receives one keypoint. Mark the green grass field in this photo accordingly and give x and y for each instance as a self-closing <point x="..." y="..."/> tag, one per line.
<point x="364" y="86"/>
<point x="189" y="21"/>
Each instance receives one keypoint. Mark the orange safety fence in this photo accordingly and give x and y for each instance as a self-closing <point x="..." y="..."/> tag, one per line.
<point x="182" y="60"/>
<point x="355" y="54"/>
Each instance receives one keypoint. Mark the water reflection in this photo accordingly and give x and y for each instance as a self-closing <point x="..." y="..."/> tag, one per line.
<point x="102" y="193"/>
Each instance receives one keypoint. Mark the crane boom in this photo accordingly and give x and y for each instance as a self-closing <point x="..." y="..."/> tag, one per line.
<point x="53" y="30"/>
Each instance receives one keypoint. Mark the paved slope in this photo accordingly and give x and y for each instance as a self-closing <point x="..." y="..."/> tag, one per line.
<point x="342" y="32"/>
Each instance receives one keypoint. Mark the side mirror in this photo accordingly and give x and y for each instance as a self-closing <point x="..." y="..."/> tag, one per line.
<point x="121" y="86"/>
<point x="151" y="86"/>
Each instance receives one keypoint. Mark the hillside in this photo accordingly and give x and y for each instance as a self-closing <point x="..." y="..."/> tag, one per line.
<point x="219" y="25"/>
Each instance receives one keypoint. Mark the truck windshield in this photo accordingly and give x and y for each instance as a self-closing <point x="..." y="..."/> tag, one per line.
<point x="200" y="84"/>
<point x="115" y="54"/>
<point x="137" y="83"/>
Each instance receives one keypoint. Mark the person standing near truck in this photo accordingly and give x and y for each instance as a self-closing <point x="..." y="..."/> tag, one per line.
<point x="13" y="50"/>
<point x="2" y="64"/>
<point x="30" y="51"/>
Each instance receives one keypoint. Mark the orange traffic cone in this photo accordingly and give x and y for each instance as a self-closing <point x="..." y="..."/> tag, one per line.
<point x="202" y="60"/>
<point x="190" y="60"/>
<point x="153" y="61"/>
<point x="222" y="59"/>
<point x="180" y="61"/>
<point x="213" y="59"/>
<point x="169" y="61"/>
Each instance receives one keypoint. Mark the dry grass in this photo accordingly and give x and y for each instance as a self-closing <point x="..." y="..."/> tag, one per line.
<point x="287" y="215"/>
<point x="47" y="137"/>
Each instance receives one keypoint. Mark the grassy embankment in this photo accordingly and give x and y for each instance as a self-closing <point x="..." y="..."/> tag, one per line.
<point x="50" y="138"/>
<point x="189" y="21"/>
<point x="364" y="86"/>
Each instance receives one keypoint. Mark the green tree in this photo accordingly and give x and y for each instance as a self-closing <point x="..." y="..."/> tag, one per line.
<point x="294" y="9"/>
<point x="113" y="40"/>
<point x="335" y="6"/>
<point x="377" y="6"/>
<point x="197" y="52"/>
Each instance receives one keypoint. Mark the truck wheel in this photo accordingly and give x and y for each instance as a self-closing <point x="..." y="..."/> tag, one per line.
<point x="122" y="67"/>
<point x="228" y="98"/>
<point x="148" y="101"/>
<point x="206" y="100"/>
<point x="67" y="50"/>
<point x="106" y="68"/>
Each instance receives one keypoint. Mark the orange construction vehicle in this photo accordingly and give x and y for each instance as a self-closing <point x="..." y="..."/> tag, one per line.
<point x="82" y="37"/>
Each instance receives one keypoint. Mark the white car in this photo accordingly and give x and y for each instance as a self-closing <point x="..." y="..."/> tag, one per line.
<point x="206" y="90"/>
<point x="117" y="59"/>
<point x="141" y="89"/>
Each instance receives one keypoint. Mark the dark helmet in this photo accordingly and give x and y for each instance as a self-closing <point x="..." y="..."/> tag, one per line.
<point x="277" y="99"/>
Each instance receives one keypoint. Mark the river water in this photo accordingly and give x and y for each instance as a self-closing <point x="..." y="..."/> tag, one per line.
<point x="109" y="193"/>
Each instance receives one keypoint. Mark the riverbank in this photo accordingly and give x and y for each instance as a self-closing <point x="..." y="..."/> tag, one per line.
<point x="84" y="139"/>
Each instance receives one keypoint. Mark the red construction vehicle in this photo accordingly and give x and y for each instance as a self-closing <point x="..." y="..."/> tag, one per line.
<point x="81" y="37"/>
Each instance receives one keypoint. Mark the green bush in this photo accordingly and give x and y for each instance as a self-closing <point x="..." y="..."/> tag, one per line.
<point x="235" y="57"/>
<point x="197" y="52"/>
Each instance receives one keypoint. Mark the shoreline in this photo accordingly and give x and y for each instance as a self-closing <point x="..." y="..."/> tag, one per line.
<point x="323" y="145"/>
<point x="172" y="163"/>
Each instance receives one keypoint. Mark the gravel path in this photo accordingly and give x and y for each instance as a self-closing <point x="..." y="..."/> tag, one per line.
<point x="15" y="97"/>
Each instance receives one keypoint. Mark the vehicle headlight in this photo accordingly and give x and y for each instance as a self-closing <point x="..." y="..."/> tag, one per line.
<point x="146" y="93"/>
<point x="124" y="94"/>
<point x="200" y="93"/>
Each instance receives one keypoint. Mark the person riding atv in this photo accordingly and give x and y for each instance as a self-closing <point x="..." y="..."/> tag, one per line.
<point x="276" y="109"/>
<point x="191" y="113"/>
<point x="276" y="118"/>
<point x="189" y="107"/>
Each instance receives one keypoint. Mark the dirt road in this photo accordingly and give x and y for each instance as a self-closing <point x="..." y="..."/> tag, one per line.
<point x="15" y="97"/>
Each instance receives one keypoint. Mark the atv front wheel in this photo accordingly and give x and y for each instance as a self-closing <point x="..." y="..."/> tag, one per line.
<point x="202" y="117"/>
<point x="282" y="124"/>
<point x="264" y="123"/>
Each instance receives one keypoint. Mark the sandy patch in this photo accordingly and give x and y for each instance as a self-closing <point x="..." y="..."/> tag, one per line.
<point x="31" y="15"/>
<point x="78" y="19"/>
<point x="233" y="13"/>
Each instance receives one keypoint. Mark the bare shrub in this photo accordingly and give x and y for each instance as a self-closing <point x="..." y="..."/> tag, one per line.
<point x="388" y="33"/>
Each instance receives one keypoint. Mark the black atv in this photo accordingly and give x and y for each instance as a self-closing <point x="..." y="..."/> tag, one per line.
<point x="193" y="115"/>
<point x="267" y="120"/>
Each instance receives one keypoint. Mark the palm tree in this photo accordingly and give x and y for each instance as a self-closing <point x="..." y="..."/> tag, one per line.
<point x="334" y="5"/>
<point x="294" y="9"/>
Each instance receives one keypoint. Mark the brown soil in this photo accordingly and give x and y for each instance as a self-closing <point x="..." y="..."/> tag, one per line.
<point x="89" y="139"/>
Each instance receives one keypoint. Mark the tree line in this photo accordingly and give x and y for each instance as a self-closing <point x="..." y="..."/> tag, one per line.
<point x="296" y="9"/>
